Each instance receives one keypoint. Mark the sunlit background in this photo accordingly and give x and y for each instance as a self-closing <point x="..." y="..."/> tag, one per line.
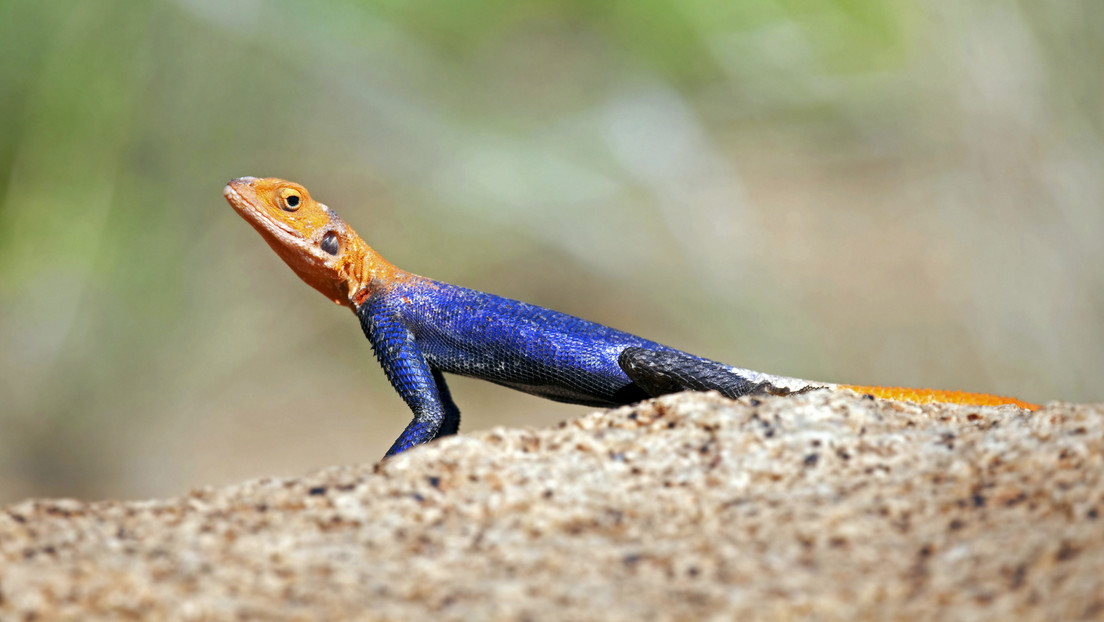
<point x="867" y="191"/>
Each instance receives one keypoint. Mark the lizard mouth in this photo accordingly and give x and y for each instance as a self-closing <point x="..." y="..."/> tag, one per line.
<point x="254" y="214"/>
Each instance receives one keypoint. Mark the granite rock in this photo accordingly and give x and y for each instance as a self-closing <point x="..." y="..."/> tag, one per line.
<point x="825" y="505"/>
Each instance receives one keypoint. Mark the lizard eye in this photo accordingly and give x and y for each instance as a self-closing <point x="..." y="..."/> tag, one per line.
<point x="330" y="243"/>
<point x="290" y="200"/>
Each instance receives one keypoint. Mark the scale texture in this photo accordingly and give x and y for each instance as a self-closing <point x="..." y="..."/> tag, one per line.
<point x="419" y="328"/>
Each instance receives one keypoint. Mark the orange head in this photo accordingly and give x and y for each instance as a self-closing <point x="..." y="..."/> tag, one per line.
<point x="309" y="237"/>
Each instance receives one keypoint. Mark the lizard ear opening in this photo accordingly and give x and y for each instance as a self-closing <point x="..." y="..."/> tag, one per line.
<point x="331" y="243"/>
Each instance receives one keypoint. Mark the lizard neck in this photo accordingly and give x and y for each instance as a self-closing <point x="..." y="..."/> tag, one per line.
<point x="366" y="272"/>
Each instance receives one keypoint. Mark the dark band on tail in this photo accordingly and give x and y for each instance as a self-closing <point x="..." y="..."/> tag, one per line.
<point x="659" y="372"/>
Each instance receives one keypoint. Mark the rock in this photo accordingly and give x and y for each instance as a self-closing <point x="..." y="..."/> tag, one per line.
<point x="826" y="505"/>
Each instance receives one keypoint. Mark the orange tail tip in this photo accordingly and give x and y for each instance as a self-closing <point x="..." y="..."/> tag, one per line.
<point x="927" y="396"/>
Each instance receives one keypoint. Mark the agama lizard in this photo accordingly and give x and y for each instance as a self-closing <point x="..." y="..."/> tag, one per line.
<point x="420" y="328"/>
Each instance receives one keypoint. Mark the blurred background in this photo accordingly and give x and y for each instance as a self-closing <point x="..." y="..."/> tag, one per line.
<point x="869" y="191"/>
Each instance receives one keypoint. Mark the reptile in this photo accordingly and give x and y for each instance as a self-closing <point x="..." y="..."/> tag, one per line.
<point x="421" y="328"/>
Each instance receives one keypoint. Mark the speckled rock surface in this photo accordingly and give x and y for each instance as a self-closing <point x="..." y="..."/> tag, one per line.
<point x="690" y="507"/>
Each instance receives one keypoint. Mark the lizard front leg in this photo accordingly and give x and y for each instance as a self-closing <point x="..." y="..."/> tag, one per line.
<point x="419" y="384"/>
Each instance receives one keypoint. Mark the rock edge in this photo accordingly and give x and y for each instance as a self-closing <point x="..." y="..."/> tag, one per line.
<point x="827" y="505"/>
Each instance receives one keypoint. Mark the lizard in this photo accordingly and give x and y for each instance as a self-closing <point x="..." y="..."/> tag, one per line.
<point x="421" y="328"/>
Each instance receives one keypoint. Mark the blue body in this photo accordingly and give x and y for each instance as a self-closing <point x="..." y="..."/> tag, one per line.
<point x="420" y="328"/>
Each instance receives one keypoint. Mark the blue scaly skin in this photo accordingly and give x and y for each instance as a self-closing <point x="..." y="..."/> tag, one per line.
<point x="420" y="328"/>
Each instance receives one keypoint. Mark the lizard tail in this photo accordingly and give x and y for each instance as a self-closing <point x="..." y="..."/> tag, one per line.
<point x="927" y="396"/>
<point x="659" y="372"/>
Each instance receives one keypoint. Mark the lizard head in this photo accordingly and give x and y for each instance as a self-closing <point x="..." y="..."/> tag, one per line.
<point x="307" y="235"/>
